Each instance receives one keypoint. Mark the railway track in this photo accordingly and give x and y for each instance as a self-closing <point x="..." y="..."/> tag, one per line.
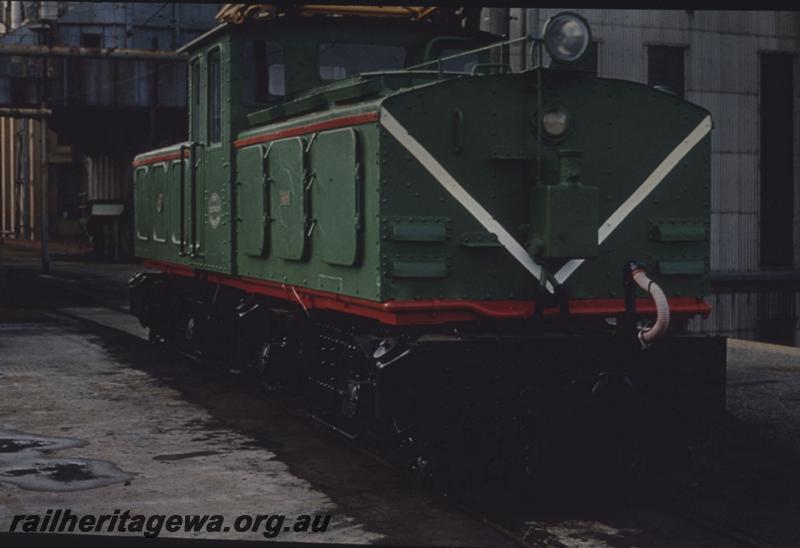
<point x="525" y="529"/>
<point x="533" y="528"/>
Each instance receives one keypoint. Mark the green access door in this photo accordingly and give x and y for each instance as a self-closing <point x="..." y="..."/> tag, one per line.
<point x="253" y="202"/>
<point x="141" y="189"/>
<point x="213" y="198"/>
<point x="159" y="185"/>
<point x="336" y="196"/>
<point x="286" y="172"/>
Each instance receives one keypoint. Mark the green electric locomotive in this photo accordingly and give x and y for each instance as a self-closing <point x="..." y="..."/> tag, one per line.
<point x="374" y="211"/>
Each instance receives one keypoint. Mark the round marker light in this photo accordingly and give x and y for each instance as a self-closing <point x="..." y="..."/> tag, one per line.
<point x="555" y="122"/>
<point x="566" y="37"/>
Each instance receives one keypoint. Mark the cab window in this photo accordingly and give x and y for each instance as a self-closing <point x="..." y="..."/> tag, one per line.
<point x="214" y="98"/>
<point x="264" y="77"/>
<point x="464" y="63"/>
<point x="340" y="60"/>
<point x="194" y="87"/>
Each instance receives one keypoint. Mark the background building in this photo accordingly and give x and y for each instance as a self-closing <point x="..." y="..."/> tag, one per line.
<point x="109" y="100"/>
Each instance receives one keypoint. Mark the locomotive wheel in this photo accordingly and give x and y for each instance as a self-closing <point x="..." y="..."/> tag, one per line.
<point x="470" y="439"/>
<point x="191" y="337"/>
<point x="190" y="330"/>
<point x="617" y="417"/>
<point x="264" y="366"/>
<point x="155" y="337"/>
<point x="478" y="426"/>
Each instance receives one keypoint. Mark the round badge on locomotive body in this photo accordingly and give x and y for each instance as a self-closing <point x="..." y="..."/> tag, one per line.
<point x="214" y="210"/>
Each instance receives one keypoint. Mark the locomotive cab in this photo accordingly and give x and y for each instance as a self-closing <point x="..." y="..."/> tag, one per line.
<point x="262" y="64"/>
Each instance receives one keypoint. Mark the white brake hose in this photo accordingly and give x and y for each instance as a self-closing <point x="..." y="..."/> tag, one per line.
<point x="648" y="334"/>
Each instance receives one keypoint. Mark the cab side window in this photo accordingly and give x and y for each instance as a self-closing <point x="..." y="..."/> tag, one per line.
<point x="337" y="60"/>
<point x="214" y="97"/>
<point x="463" y="63"/>
<point x="264" y="77"/>
<point x="194" y="90"/>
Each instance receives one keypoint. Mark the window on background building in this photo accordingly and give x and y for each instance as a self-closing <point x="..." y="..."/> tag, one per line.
<point x="776" y="162"/>
<point x="91" y="40"/>
<point x="68" y="197"/>
<point x="214" y="98"/>
<point x="337" y="61"/>
<point x="665" y="68"/>
<point x="264" y="73"/>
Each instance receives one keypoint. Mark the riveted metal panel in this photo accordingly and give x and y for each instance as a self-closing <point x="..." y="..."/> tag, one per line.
<point x="288" y="205"/>
<point x="506" y="189"/>
<point x="158" y="203"/>
<point x="142" y="228"/>
<point x="415" y="229"/>
<point x="173" y="205"/>
<point x="253" y="201"/>
<point x="565" y="221"/>
<point x="143" y="189"/>
<point x="678" y="230"/>
<point x="427" y="267"/>
<point x="336" y="196"/>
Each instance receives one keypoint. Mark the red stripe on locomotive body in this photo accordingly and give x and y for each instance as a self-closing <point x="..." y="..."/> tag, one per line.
<point x="336" y="123"/>
<point x="160" y="158"/>
<point x="431" y="311"/>
<point x="345" y="121"/>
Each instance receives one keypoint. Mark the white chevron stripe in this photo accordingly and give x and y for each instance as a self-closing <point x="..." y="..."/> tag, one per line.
<point x="461" y="195"/>
<point x="644" y="190"/>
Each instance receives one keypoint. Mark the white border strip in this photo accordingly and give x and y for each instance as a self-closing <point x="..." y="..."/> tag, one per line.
<point x="462" y="196"/>
<point x="649" y="184"/>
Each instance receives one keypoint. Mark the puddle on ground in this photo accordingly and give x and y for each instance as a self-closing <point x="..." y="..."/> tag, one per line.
<point x="24" y="463"/>
<point x="15" y="446"/>
<point x="12" y="441"/>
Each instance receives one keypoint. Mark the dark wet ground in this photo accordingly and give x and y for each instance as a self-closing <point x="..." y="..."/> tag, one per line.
<point x="741" y="485"/>
<point x="196" y="439"/>
<point x="27" y="461"/>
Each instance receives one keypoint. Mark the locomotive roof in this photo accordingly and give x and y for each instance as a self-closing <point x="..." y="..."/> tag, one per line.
<point x="238" y="13"/>
<point x="234" y="16"/>
<point x="203" y="38"/>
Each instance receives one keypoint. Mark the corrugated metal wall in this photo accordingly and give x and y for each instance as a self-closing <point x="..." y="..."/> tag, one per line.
<point x="722" y="75"/>
<point x="8" y="169"/>
<point x="107" y="178"/>
<point x="11" y="192"/>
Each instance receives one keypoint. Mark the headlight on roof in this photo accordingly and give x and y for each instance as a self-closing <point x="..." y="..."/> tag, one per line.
<point x="566" y="37"/>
